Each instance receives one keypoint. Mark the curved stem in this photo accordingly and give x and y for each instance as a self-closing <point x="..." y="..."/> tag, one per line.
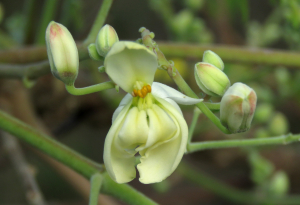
<point x="196" y="115"/>
<point x="90" y="89"/>
<point x="99" y="21"/>
<point x="96" y="182"/>
<point x="69" y="157"/>
<point x="284" y="139"/>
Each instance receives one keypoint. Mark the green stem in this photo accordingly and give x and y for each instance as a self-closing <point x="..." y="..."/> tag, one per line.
<point x="228" y="192"/>
<point x="96" y="182"/>
<point x="196" y="115"/>
<point x="70" y="158"/>
<point x="185" y="88"/>
<point x="48" y="15"/>
<point x="90" y="89"/>
<point x="29" y="17"/>
<point x="212" y="106"/>
<point x="284" y="139"/>
<point x="233" y="54"/>
<point x="99" y="22"/>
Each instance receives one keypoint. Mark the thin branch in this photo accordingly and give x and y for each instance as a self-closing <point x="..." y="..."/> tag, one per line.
<point x="31" y="71"/>
<point x="281" y="140"/>
<point x="32" y="190"/>
<point x="234" y="54"/>
<point x="272" y="57"/>
<point x="69" y="157"/>
<point x="99" y="21"/>
<point x="47" y="15"/>
<point x="228" y="192"/>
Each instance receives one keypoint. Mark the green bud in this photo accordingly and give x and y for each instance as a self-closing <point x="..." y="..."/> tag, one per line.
<point x="106" y="38"/>
<point x="263" y="112"/>
<point x="213" y="58"/>
<point x="279" y="185"/>
<point x="278" y="124"/>
<point x="261" y="132"/>
<point x="94" y="53"/>
<point x="211" y="79"/>
<point x="62" y="53"/>
<point x="261" y="168"/>
<point x="238" y="107"/>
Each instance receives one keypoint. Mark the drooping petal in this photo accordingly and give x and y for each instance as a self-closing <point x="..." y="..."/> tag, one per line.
<point x="164" y="91"/>
<point x="119" y="163"/>
<point x="127" y="98"/>
<point x="128" y="62"/>
<point x="160" y="160"/>
<point x="161" y="127"/>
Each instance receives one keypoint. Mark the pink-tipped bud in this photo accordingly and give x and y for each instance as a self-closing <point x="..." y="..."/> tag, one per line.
<point x="62" y="53"/>
<point x="237" y="107"/>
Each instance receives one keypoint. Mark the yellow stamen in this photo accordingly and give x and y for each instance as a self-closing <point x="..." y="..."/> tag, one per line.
<point x="139" y="93"/>
<point x="135" y="92"/>
<point x="148" y="88"/>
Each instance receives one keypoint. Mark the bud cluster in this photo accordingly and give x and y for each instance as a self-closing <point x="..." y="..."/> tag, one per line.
<point x="238" y="101"/>
<point x="106" y="37"/>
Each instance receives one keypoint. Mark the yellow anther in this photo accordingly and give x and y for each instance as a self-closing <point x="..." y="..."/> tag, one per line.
<point x="135" y="92"/>
<point x="139" y="93"/>
<point x="144" y="91"/>
<point x="148" y="88"/>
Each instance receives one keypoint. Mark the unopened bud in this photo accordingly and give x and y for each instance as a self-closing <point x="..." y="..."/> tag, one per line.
<point x="94" y="53"/>
<point x="212" y="58"/>
<point x="211" y="79"/>
<point x="106" y="38"/>
<point x="238" y="107"/>
<point x="278" y="124"/>
<point x="279" y="185"/>
<point x="62" y="53"/>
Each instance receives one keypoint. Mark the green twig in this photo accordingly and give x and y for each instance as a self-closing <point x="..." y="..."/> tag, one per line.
<point x="228" y="54"/>
<point x="28" y="21"/>
<point x="90" y="89"/>
<point x="284" y="139"/>
<point x="72" y="159"/>
<point x="228" y="192"/>
<point x="96" y="182"/>
<point x="234" y="54"/>
<point x="48" y="15"/>
<point x="185" y="88"/>
<point x="99" y="22"/>
<point x="196" y="115"/>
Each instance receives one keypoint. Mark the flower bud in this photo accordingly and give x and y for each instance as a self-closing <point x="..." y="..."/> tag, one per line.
<point x="212" y="58"/>
<point x="62" y="53"/>
<point x="279" y="185"/>
<point x="107" y="36"/>
<point x="238" y="107"/>
<point x="94" y="53"/>
<point x="278" y="125"/>
<point x="211" y="79"/>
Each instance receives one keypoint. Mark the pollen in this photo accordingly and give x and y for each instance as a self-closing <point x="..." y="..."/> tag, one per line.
<point x="142" y="92"/>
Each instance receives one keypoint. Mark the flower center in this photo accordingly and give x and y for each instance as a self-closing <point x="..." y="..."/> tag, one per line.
<point x="141" y="89"/>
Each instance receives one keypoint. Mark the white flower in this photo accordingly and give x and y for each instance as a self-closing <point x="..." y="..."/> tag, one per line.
<point x="148" y="119"/>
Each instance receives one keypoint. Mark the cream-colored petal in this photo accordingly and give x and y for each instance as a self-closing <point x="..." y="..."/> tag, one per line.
<point x="134" y="131"/>
<point x="164" y="91"/>
<point x="161" y="127"/>
<point x="128" y="62"/>
<point x="160" y="160"/>
<point x="119" y="163"/>
<point x="123" y="102"/>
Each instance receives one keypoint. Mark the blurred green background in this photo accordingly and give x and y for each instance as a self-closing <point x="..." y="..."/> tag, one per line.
<point x="82" y="122"/>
